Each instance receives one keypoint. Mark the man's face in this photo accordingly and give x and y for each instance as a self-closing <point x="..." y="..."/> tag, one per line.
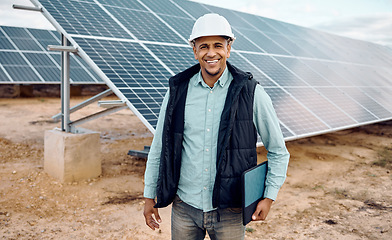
<point x="212" y="52"/>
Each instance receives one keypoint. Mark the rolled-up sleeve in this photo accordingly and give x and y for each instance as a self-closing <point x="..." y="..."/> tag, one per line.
<point x="268" y="127"/>
<point x="153" y="160"/>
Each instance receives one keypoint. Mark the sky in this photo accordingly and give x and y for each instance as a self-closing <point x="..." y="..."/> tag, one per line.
<point x="369" y="20"/>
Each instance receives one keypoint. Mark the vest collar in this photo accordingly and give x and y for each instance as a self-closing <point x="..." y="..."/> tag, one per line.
<point x="225" y="78"/>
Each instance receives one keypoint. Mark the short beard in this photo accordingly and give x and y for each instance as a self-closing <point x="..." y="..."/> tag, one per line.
<point x="213" y="74"/>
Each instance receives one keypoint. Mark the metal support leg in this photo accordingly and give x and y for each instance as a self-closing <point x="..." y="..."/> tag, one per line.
<point x="65" y="86"/>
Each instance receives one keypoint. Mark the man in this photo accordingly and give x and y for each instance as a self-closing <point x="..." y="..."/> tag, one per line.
<point x="206" y="137"/>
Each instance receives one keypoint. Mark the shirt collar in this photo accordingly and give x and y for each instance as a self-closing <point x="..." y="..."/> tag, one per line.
<point x="224" y="78"/>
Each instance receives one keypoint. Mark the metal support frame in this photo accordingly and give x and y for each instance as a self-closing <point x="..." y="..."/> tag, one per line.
<point x="63" y="48"/>
<point x="105" y="112"/>
<point x="66" y="124"/>
<point x="28" y="8"/>
<point x="113" y="106"/>
<point x="87" y="102"/>
<point x="140" y="154"/>
<point x="111" y="103"/>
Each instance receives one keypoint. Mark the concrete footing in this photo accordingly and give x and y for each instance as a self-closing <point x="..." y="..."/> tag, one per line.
<point x="72" y="157"/>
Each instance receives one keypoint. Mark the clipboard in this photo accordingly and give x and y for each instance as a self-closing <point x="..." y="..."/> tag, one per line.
<point x="253" y="185"/>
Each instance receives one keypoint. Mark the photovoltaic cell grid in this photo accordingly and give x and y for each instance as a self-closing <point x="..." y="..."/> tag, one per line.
<point x="318" y="82"/>
<point x="24" y="58"/>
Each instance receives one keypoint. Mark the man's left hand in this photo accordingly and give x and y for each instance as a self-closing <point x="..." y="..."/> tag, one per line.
<point x="262" y="209"/>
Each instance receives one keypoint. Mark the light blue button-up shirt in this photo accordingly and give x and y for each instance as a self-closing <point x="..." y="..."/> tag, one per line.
<point x="203" y="109"/>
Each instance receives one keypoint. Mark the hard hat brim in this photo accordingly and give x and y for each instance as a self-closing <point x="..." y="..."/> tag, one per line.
<point x="191" y="40"/>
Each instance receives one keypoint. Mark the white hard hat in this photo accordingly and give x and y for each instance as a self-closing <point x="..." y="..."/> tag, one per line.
<point x="211" y="24"/>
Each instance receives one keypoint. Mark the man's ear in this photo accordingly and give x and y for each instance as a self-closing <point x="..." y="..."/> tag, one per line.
<point x="194" y="51"/>
<point x="228" y="49"/>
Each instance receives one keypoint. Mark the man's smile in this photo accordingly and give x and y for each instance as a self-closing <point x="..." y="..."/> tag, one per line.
<point x="212" y="61"/>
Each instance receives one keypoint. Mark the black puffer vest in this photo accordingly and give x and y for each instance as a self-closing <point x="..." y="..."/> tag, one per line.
<point x="236" y="151"/>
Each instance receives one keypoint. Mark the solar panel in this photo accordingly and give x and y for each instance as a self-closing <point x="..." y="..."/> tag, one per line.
<point x="293" y="114"/>
<point x="318" y="82"/>
<point x="24" y="58"/>
<point x="347" y="104"/>
<point x="240" y="60"/>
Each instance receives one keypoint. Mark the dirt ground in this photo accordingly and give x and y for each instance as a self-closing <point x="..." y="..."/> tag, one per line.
<point x="335" y="189"/>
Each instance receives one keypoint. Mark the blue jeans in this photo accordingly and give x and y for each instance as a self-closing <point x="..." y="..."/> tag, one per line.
<point x="191" y="223"/>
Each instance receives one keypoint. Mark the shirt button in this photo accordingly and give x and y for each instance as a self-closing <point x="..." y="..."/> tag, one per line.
<point x="207" y="150"/>
<point x="206" y="170"/>
<point x="211" y="91"/>
<point x="209" y="110"/>
<point x="205" y="188"/>
<point x="208" y="129"/>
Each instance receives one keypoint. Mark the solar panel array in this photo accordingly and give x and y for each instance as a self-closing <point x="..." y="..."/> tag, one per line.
<point x="318" y="82"/>
<point x="24" y="59"/>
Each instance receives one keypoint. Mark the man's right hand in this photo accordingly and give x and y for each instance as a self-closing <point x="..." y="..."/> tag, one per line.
<point x="149" y="210"/>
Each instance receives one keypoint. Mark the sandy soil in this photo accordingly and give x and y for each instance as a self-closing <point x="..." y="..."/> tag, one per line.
<point x="333" y="190"/>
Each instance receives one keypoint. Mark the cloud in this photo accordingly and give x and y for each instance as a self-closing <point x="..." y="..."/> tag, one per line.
<point x="374" y="28"/>
<point x="21" y="18"/>
<point x="258" y="10"/>
<point x="31" y="20"/>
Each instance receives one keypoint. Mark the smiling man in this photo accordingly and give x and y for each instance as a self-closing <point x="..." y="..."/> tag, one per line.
<point x="212" y="52"/>
<point x="206" y="138"/>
